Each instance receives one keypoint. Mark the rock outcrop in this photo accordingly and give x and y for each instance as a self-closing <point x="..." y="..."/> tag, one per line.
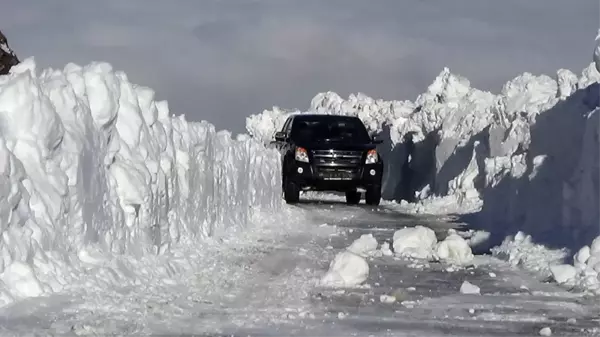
<point x="8" y="59"/>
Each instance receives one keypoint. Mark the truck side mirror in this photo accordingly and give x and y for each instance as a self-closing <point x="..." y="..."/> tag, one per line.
<point x="376" y="140"/>
<point x="280" y="136"/>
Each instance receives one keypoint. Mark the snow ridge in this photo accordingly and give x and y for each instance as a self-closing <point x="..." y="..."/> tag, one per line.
<point x="91" y="164"/>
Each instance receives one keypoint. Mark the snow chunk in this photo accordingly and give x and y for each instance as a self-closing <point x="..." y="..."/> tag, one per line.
<point x="346" y="270"/>
<point x="387" y="299"/>
<point x="582" y="256"/>
<point x="563" y="273"/>
<point x="595" y="247"/>
<point x="364" y="246"/>
<point x="454" y="249"/>
<point x="415" y="242"/>
<point x="474" y="238"/>
<point x="21" y="278"/>
<point x="546" y="331"/>
<point x="469" y="288"/>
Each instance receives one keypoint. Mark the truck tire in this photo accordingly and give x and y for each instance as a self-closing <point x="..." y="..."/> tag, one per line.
<point x="291" y="192"/>
<point x="373" y="196"/>
<point x="352" y="197"/>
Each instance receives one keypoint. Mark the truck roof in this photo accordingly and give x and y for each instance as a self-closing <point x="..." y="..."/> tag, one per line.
<point x="313" y="116"/>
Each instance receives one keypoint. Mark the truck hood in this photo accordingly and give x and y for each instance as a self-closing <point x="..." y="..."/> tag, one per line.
<point x="337" y="146"/>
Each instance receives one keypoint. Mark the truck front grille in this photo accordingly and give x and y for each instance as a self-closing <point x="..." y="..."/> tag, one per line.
<point x="330" y="173"/>
<point x="335" y="158"/>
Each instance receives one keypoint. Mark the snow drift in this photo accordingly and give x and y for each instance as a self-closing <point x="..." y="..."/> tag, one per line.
<point x="525" y="159"/>
<point x="91" y="162"/>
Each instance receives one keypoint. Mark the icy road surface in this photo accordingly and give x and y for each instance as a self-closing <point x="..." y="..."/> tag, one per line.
<point x="263" y="283"/>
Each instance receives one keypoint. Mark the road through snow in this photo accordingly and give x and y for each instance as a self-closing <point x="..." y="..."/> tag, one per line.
<point x="263" y="283"/>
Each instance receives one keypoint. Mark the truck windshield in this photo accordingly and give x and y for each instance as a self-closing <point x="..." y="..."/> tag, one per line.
<point x="327" y="129"/>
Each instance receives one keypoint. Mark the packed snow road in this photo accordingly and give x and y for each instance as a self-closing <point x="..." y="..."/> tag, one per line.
<point x="428" y="300"/>
<point x="265" y="282"/>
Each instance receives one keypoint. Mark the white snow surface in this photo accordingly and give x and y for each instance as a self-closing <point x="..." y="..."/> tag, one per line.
<point x="96" y="175"/>
<point x="522" y="160"/>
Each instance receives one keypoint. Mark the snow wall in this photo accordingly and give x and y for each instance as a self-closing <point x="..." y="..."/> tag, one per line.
<point x="524" y="159"/>
<point x="90" y="162"/>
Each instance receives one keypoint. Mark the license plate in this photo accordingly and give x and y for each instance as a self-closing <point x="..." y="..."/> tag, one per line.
<point x="337" y="176"/>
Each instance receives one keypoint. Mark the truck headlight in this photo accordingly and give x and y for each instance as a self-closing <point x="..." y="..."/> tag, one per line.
<point x="301" y="155"/>
<point x="372" y="157"/>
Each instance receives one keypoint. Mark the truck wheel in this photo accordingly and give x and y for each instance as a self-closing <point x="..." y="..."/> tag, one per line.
<point x="291" y="192"/>
<point x="373" y="195"/>
<point x="352" y="197"/>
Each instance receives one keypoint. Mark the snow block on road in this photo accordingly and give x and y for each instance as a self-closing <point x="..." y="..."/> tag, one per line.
<point x="346" y="270"/>
<point x="91" y="165"/>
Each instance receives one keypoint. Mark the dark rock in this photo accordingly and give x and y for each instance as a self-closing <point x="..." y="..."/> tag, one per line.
<point x="8" y="58"/>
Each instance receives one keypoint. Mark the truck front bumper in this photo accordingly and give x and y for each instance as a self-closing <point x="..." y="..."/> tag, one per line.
<point x="331" y="178"/>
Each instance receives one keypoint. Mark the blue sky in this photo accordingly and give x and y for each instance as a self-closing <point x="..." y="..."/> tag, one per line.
<point x="224" y="60"/>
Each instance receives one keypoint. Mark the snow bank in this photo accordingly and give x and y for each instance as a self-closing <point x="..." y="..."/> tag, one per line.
<point x="91" y="164"/>
<point x="586" y="268"/>
<point x="582" y="275"/>
<point x="520" y="251"/>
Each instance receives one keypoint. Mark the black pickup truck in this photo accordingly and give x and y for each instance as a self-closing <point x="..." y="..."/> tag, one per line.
<point x="329" y="153"/>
